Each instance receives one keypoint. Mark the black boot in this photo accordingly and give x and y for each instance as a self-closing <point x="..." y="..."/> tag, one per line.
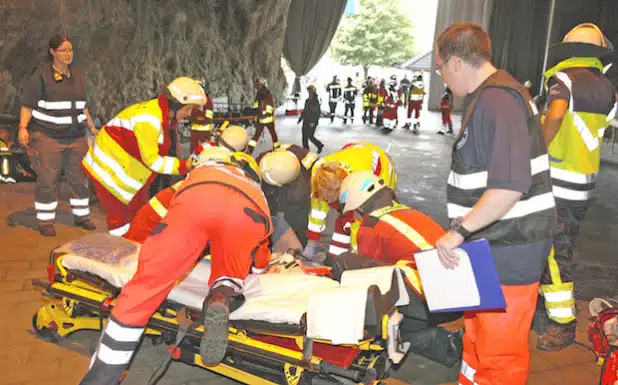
<point x="47" y="229"/>
<point x="450" y="129"/>
<point x="85" y="222"/>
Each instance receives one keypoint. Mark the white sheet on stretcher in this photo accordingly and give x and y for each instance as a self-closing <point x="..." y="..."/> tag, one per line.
<point x="334" y="311"/>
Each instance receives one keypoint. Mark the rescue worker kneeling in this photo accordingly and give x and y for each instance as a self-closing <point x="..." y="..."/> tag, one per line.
<point x="286" y="175"/>
<point x="233" y="138"/>
<point x="217" y="204"/>
<point x="389" y="234"/>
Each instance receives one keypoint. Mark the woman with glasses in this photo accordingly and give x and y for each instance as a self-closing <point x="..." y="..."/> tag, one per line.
<point x="54" y="119"/>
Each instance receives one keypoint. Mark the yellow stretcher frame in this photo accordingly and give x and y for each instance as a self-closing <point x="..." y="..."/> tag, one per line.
<point x="67" y="296"/>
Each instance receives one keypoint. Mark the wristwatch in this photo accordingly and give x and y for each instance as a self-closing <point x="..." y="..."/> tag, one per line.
<point x="457" y="226"/>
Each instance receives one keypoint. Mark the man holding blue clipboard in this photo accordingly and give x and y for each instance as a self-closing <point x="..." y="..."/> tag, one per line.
<point x="499" y="189"/>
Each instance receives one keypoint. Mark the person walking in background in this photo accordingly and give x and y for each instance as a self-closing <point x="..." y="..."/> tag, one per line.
<point x="446" y="106"/>
<point x="310" y="118"/>
<point x="54" y="111"/>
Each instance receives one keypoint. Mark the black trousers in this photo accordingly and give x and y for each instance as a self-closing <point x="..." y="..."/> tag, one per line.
<point x="309" y="135"/>
<point x="349" y="107"/>
<point x="333" y="107"/>
<point x="419" y="326"/>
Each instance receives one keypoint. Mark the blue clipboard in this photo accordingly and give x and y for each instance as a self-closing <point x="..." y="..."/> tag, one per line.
<point x="486" y="277"/>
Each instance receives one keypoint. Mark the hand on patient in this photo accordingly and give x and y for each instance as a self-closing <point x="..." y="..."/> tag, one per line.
<point x="310" y="250"/>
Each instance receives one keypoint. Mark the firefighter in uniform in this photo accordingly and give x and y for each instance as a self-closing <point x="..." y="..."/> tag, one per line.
<point x="265" y="103"/>
<point x="415" y="102"/>
<point x="499" y="189"/>
<point x="582" y="103"/>
<point x="334" y="96"/>
<point x="382" y="94"/>
<point x="286" y="182"/>
<point x="201" y="121"/>
<point x="326" y="178"/>
<point x="370" y="98"/>
<point x="389" y="234"/>
<point x="126" y="155"/>
<point x="350" y="92"/>
<point x="391" y="105"/>
<point x="216" y="204"/>
<point x="404" y="86"/>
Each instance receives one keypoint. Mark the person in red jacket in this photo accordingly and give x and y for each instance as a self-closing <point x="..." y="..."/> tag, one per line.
<point x="389" y="234"/>
<point x="265" y="103"/>
<point x="446" y="106"/>
<point x="201" y="121"/>
<point x="217" y="204"/>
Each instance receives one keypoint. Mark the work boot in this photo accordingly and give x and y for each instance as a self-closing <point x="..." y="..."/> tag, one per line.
<point x="450" y="129"/>
<point x="47" y="229"/>
<point x="215" y="316"/>
<point x="557" y="336"/>
<point x="84" y="222"/>
<point x="455" y="345"/>
<point x="442" y="130"/>
<point x="320" y="148"/>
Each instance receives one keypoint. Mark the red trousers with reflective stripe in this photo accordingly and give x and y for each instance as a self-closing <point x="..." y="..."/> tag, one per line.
<point x="340" y="242"/>
<point x="496" y="342"/>
<point x="416" y="107"/>
<point x="118" y="213"/>
<point x="198" y="215"/>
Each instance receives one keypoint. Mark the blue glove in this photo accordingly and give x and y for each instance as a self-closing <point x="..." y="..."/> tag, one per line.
<point x="310" y="250"/>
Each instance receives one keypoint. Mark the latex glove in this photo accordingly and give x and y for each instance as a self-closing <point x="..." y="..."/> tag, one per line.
<point x="310" y="250"/>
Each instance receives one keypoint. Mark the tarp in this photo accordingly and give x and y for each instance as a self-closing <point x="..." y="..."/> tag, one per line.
<point x="310" y="29"/>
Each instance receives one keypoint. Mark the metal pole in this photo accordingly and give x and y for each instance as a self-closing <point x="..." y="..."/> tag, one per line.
<point x="550" y="23"/>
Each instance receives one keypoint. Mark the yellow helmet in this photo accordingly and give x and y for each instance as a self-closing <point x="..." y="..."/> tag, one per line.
<point x="186" y="90"/>
<point x="243" y="160"/>
<point x="279" y="167"/>
<point x="587" y="33"/>
<point x="234" y="137"/>
<point x="212" y="154"/>
<point x="357" y="188"/>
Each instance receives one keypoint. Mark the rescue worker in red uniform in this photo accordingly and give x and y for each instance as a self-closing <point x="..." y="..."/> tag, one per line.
<point x="446" y="106"/>
<point x="389" y="234"/>
<point x="391" y="105"/>
<point x="130" y="151"/>
<point x="217" y="204"/>
<point x="265" y="103"/>
<point x="201" y="121"/>
<point x="415" y="103"/>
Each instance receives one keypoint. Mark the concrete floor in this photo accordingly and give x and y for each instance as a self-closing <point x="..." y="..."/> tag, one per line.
<point x="422" y="162"/>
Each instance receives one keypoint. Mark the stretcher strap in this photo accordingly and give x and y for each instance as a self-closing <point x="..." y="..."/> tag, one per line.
<point x="184" y="323"/>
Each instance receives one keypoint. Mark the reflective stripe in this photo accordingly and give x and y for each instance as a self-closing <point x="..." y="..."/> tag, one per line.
<point x="319" y="215"/>
<point x="54" y="105"/>
<point x="45" y="206"/>
<point x="315" y="227"/>
<point x="522" y="208"/>
<point x="113" y="357"/>
<point x="57" y="119"/>
<point x="568" y="194"/>
<point x="80" y="105"/>
<point x="79" y="202"/>
<point x="116" y="168"/>
<point x="601" y="132"/>
<point x="416" y="97"/>
<point x="563" y="312"/>
<point x="341" y="238"/>
<point x="120" y="231"/>
<point x="336" y="250"/>
<point x="158" y="164"/>
<point x="122" y="333"/>
<point x="158" y="207"/>
<point x="309" y="159"/>
<point x="612" y="113"/>
<point x="572" y="177"/>
<point x="268" y="119"/>
<point x="535" y="110"/>
<point x="209" y="114"/>
<point x="589" y="140"/>
<point x="408" y="231"/>
<point x="106" y="178"/>
<point x="201" y="127"/>
<point x="467" y="371"/>
<point x="45" y="216"/>
<point x="558" y="296"/>
<point x="129" y="124"/>
<point x="269" y="109"/>
<point x="252" y="143"/>
<point x="81" y="212"/>
<point x="169" y="165"/>
<point x="479" y="179"/>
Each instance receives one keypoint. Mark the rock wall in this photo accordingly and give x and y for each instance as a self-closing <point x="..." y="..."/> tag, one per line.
<point x="129" y="48"/>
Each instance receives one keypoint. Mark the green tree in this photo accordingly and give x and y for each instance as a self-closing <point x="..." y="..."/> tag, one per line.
<point x="380" y="34"/>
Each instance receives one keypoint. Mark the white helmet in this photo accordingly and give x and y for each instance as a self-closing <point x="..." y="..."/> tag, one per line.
<point x="279" y="167"/>
<point x="234" y="137"/>
<point x="357" y="188"/>
<point x="186" y="90"/>
<point x="211" y="154"/>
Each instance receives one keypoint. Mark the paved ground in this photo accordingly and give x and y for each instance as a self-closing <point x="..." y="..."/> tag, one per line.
<point x="422" y="161"/>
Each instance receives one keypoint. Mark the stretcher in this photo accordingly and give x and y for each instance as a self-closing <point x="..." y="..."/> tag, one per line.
<point x="293" y="328"/>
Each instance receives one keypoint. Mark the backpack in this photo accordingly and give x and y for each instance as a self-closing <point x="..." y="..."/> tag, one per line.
<point x="603" y="333"/>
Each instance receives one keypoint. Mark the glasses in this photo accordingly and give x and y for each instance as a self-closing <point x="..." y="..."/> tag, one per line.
<point x="65" y="51"/>
<point x="438" y="71"/>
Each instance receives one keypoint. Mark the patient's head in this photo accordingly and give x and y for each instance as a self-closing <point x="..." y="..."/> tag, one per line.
<point x="327" y="181"/>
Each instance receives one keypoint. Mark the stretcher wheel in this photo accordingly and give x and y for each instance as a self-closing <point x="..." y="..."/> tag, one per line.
<point x="44" y="332"/>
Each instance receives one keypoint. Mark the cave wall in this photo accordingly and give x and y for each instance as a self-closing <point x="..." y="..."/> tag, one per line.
<point x="129" y="48"/>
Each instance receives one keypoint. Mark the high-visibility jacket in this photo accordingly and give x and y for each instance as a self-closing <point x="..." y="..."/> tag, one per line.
<point x="370" y="96"/>
<point x="130" y="150"/>
<point x="235" y="179"/>
<point x="201" y="118"/>
<point x="150" y="215"/>
<point x="382" y="94"/>
<point x="265" y="103"/>
<point x="353" y="157"/>
<point x="575" y="151"/>
<point x="417" y="92"/>
<point x="393" y="234"/>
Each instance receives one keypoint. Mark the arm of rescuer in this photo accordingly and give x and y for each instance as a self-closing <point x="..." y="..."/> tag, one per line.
<point x="509" y="177"/>
<point x="558" y="101"/>
<point x="147" y="136"/>
<point x="202" y="119"/>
